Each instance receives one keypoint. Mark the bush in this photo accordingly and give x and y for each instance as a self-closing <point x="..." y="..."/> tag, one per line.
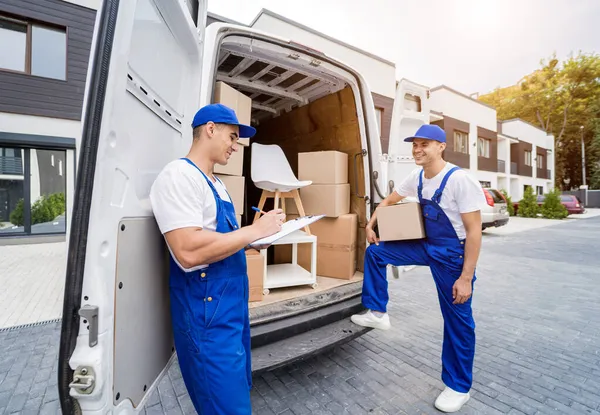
<point x="45" y="209"/>
<point x="509" y="204"/>
<point x="528" y="207"/>
<point x="552" y="208"/>
<point x="17" y="217"/>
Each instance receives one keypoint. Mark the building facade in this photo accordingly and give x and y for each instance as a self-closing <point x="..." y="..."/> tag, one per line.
<point x="379" y="73"/>
<point x="506" y="155"/>
<point x="44" y="53"/>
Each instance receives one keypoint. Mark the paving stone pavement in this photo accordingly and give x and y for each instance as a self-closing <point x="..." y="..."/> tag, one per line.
<point x="538" y="344"/>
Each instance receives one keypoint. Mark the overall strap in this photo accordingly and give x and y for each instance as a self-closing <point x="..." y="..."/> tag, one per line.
<point x="437" y="196"/>
<point x="210" y="183"/>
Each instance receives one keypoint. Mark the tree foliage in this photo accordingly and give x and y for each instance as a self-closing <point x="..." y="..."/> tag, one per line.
<point x="528" y="207"/>
<point x="552" y="208"/>
<point x="559" y="98"/>
<point x="509" y="203"/>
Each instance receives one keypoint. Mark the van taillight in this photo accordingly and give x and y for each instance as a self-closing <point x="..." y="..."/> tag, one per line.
<point x="488" y="198"/>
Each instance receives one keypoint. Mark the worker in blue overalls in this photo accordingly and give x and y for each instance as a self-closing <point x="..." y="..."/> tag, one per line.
<point x="208" y="278"/>
<point x="450" y="202"/>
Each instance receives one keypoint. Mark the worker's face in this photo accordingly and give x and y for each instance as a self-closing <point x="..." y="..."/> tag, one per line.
<point x="224" y="141"/>
<point x="427" y="151"/>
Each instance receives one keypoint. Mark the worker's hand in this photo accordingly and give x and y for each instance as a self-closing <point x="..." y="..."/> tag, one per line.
<point x="371" y="236"/>
<point x="461" y="291"/>
<point x="269" y="224"/>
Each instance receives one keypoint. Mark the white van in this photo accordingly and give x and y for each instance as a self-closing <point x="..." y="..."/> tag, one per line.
<point x="152" y="66"/>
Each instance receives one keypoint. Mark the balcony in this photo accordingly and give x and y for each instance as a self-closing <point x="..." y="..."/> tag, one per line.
<point x="11" y="165"/>
<point x="513" y="168"/>
<point x="501" y="166"/>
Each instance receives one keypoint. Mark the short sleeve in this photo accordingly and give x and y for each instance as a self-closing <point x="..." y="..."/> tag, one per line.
<point x="408" y="187"/>
<point x="177" y="200"/>
<point x="469" y="194"/>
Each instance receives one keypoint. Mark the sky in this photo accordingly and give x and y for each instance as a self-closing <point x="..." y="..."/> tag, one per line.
<point x="473" y="46"/>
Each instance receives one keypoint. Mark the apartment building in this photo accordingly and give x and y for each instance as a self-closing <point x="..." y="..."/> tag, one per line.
<point x="379" y="73"/>
<point x="44" y="52"/>
<point x="501" y="154"/>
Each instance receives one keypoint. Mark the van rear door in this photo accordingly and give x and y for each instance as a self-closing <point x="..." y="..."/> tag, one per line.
<point x="411" y="110"/>
<point x="142" y="91"/>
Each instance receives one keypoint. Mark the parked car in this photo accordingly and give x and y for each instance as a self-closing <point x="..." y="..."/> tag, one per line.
<point x="495" y="213"/>
<point x="571" y="202"/>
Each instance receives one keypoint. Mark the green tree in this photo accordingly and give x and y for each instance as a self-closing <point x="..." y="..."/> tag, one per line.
<point x="17" y="216"/>
<point x="528" y="207"/>
<point x="559" y="98"/>
<point x="552" y="208"/>
<point x="510" y="207"/>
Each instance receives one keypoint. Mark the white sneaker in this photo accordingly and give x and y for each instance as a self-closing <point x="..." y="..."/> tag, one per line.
<point x="368" y="319"/>
<point x="450" y="400"/>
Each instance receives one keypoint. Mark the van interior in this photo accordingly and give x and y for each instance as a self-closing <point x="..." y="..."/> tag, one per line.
<point x="301" y="108"/>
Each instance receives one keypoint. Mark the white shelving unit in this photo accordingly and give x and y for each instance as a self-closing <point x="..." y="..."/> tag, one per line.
<point x="290" y="275"/>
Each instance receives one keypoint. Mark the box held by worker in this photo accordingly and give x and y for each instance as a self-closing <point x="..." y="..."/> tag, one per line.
<point x="399" y="222"/>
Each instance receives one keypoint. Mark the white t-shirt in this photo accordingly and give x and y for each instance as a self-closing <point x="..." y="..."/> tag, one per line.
<point x="181" y="198"/>
<point x="462" y="194"/>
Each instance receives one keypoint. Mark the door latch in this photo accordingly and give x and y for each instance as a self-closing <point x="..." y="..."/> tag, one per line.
<point x="90" y="313"/>
<point x="84" y="380"/>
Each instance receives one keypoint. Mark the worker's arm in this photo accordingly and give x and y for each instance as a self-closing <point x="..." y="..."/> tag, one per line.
<point x="196" y="246"/>
<point x="462" y="288"/>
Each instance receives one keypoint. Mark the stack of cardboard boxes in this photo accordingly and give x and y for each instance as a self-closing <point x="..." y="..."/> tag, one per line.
<point x="329" y="194"/>
<point x="232" y="176"/>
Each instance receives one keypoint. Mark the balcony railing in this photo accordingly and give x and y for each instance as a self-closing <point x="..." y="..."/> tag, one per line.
<point x="11" y="165"/>
<point x="501" y="166"/>
<point x="513" y="168"/>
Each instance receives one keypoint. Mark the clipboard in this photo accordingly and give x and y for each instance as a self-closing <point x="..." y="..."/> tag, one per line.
<point x="287" y="228"/>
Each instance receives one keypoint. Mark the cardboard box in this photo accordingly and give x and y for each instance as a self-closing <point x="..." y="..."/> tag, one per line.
<point x="336" y="247"/>
<point x="235" y="187"/>
<point x="234" y="166"/>
<point x="331" y="200"/>
<point x="323" y="167"/>
<point x="240" y="103"/>
<point x="256" y="269"/>
<point x="400" y="222"/>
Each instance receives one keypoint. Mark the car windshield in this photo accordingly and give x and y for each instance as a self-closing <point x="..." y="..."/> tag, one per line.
<point x="496" y="196"/>
<point x="566" y="198"/>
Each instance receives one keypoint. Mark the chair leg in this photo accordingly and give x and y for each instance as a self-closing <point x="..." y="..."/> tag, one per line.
<point x="277" y="197"/>
<point x="298" y="201"/>
<point x="261" y="204"/>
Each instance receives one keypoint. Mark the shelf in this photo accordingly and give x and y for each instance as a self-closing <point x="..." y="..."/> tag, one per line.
<point x="286" y="275"/>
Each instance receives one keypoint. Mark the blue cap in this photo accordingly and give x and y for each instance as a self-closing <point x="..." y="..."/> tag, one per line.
<point x="221" y="114"/>
<point x="429" y="132"/>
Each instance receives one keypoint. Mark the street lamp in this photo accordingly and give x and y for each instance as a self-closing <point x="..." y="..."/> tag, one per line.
<point x="582" y="155"/>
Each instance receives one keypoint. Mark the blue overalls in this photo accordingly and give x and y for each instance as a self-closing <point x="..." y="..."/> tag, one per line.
<point x="443" y="252"/>
<point x="211" y="328"/>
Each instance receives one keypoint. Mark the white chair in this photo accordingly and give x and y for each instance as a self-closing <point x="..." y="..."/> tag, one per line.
<point x="271" y="172"/>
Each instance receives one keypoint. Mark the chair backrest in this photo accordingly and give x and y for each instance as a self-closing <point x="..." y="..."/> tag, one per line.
<point x="268" y="163"/>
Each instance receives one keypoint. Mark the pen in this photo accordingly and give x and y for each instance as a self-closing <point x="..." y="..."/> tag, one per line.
<point x="258" y="210"/>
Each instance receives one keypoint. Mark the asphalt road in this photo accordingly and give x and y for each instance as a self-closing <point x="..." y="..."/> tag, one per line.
<point x="538" y="344"/>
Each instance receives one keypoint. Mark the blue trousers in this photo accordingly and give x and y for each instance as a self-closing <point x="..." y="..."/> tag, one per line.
<point x="445" y="262"/>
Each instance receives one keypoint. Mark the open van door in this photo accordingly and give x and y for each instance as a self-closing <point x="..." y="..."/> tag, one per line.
<point x="411" y="110"/>
<point x="142" y="91"/>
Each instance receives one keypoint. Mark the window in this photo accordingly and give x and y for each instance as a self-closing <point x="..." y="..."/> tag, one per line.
<point x="540" y="190"/>
<point x="527" y="158"/>
<point x="483" y="147"/>
<point x="485" y="184"/>
<point x="461" y="142"/>
<point x="540" y="161"/>
<point x="32" y="48"/>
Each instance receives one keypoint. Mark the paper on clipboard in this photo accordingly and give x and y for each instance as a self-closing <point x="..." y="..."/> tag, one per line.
<point x="287" y="228"/>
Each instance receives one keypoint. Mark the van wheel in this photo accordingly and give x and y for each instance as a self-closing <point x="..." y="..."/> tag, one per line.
<point x="314" y="286"/>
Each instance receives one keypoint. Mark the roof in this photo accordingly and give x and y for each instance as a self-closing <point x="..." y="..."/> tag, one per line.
<point x="462" y="95"/>
<point x="268" y="12"/>
<point x="526" y="122"/>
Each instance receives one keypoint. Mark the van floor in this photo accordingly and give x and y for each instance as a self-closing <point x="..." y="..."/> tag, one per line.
<point x="324" y="283"/>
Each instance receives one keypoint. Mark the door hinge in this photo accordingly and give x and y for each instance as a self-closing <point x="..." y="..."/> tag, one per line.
<point x="90" y="313"/>
<point x="84" y="380"/>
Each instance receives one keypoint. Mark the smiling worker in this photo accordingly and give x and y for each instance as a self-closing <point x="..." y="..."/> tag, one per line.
<point x="450" y="202"/>
<point x="208" y="278"/>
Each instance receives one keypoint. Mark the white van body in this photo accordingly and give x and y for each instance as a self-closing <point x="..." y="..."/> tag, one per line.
<point x="153" y="64"/>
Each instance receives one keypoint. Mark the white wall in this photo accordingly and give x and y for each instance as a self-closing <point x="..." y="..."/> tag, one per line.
<point x="462" y="108"/>
<point x="380" y="76"/>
